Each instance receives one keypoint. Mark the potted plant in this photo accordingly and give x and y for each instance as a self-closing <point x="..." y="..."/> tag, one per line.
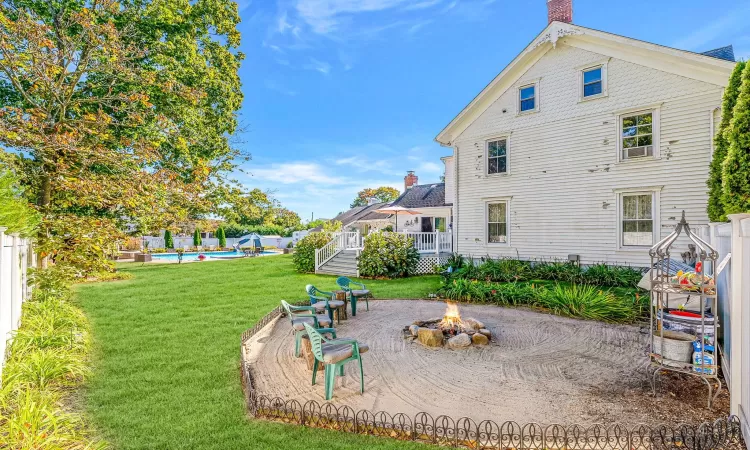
<point x="289" y="248"/>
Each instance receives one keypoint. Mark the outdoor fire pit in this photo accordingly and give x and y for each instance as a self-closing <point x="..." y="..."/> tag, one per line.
<point x="449" y="330"/>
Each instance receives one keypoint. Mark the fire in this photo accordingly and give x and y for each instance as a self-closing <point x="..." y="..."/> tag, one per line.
<point x="452" y="318"/>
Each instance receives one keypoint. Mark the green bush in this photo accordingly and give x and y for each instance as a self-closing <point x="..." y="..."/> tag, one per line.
<point x="715" y="207"/>
<point x="588" y="302"/>
<point x="222" y="236"/>
<point x="504" y="270"/>
<point x="168" y="241"/>
<point x="304" y="255"/>
<point x="47" y="358"/>
<point x="736" y="167"/>
<point x="197" y="237"/>
<point x="388" y="255"/>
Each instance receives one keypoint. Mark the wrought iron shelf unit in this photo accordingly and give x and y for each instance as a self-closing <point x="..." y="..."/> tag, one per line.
<point x="665" y="289"/>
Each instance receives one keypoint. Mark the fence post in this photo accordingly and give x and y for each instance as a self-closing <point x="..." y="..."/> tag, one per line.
<point x="4" y="300"/>
<point x="739" y="308"/>
<point x="437" y="243"/>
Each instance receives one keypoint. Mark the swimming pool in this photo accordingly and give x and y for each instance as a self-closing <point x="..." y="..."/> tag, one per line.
<point x="193" y="256"/>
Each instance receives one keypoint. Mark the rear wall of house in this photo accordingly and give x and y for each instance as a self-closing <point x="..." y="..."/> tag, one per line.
<point x="564" y="172"/>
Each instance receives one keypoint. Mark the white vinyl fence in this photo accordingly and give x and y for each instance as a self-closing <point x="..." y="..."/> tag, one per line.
<point x="732" y="241"/>
<point x="15" y="258"/>
<point x="182" y="242"/>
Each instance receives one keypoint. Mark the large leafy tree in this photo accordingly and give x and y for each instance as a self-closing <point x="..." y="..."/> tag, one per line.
<point x="736" y="166"/>
<point x="383" y="194"/>
<point x="117" y="112"/>
<point x="721" y="146"/>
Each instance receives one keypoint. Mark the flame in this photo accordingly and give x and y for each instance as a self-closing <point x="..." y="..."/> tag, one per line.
<point x="452" y="316"/>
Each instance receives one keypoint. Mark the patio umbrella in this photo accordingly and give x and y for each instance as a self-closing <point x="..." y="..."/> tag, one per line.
<point x="397" y="210"/>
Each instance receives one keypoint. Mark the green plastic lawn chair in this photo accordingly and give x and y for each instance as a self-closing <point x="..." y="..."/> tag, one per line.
<point x="345" y="284"/>
<point x="323" y="301"/>
<point x="334" y="354"/>
<point x="321" y="322"/>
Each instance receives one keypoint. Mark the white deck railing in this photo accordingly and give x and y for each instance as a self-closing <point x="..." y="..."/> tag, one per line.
<point x="436" y="242"/>
<point x="339" y="242"/>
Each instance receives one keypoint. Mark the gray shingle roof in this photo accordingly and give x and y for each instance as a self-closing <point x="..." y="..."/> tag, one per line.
<point x="725" y="53"/>
<point x="366" y="212"/>
<point x="422" y="196"/>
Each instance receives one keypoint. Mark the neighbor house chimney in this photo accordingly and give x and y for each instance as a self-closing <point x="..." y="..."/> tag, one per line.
<point x="410" y="180"/>
<point x="560" y="11"/>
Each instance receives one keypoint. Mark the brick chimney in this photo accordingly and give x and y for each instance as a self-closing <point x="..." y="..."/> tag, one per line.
<point x="410" y="180"/>
<point x="560" y="11"/>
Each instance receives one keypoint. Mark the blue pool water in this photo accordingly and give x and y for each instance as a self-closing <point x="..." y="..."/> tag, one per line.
<point x="193" y="256"/>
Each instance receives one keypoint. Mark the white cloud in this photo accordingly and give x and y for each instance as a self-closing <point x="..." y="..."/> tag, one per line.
<point x="321" y="66"/>
<point x="282" y="24"/>
<point x="297" y="172"/>
<point x="324" y="16"/>
<point x="274" y="86"/>
<point x="728" y="23"/>
<point x="418" y="26"/>
<point x="423" y="4"/>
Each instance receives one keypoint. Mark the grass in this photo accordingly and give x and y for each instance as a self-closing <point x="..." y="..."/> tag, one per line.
<point x="166" y="354"/>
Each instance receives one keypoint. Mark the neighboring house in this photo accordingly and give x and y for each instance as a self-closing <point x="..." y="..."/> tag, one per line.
<point x="587" y="143"/>
<point x="428" y="199"/>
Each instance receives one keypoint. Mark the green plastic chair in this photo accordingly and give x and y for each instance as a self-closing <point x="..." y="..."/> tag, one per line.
<point x="345" y="285"/>
<point x="334" y="354"/>
<point x="321" y="323"/>
<point x="317" y="296"/>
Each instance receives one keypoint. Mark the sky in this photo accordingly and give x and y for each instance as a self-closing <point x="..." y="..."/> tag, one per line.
<point x="342" y="95"/>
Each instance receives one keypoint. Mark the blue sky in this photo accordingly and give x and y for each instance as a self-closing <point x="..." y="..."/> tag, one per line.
<point x="346" y="94"/>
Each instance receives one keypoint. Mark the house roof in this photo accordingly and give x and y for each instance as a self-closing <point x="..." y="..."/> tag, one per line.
<point x="422" y="196"/>
<point x="357" y="213"/>
<point x="702" y="67"/>
<point x="725" y="53"/>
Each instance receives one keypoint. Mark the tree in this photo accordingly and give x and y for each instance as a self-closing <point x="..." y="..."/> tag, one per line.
<point x="197" y="237"/>
<point x="721" y="146"/>
<point x="222" y="237"/>
<point x="168" y="241"/>
<point x="332" y="226"/>
<point x="286" y="218"/>
<point x="384" y="194"/>
<point x="315" y="223"/>
<point x="117" y="112"/>
<point x="736" y="167"/>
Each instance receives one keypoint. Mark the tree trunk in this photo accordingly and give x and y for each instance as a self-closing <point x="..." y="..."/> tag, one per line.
<point x="45" y="196"/>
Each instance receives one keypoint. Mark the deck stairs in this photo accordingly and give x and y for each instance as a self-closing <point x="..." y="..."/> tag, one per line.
<point x="344" y="263"/>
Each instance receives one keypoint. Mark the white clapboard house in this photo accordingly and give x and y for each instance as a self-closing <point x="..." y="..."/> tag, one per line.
<point x="587" y="144"/>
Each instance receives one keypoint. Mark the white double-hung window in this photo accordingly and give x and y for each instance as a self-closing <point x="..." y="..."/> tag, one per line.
<point x="638" y="134"/>
<point x="497" y="156"/>
<point x="638" y="217"/>
<point x="497" y="222"/>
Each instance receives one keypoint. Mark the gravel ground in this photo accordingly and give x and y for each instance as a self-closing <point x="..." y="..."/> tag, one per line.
<point x="538" y="368"/>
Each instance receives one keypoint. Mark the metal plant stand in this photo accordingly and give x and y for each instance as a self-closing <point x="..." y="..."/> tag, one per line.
<point x="666" y="287"/>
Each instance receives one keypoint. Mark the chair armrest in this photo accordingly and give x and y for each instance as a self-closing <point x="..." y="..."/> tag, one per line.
<point x="343" y="341"/>
<point x="328" y="330"/>
<point x="359" y="284"/>
<point x="302" y="308"/>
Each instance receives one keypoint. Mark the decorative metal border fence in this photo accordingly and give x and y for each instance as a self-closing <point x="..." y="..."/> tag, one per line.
<point x="485" y="435"/>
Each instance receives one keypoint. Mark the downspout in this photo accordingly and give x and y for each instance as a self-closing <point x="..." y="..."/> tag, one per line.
<point x="455" y="200"/>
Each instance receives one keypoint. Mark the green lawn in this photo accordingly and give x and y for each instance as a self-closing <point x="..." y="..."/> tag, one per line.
<point x="166" y="354"/>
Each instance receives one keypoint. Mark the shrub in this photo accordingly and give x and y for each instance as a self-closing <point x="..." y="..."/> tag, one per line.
<point x="504" y="269"/>
<point x="715" y="207"/>
<point x="736" y="167"/>
<point x="47" y="357"/>
<point x="290" y="244"/>
<point x="197" y="237"/>
<point x="388" y="255"/>
<point x="222" y="236"/>
<point x="557" y="271"/>
<point x="606" y="275"/>
<point x="168" y="241"/>
<point x="304" y="256"/>
<point x="588" y="302"/>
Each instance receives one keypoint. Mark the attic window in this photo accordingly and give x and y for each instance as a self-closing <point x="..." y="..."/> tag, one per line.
<point x="592" y="82"/>
<point x="527" y="98"/>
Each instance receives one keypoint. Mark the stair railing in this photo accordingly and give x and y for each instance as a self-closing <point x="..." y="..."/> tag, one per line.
<point x="339" y="241"/>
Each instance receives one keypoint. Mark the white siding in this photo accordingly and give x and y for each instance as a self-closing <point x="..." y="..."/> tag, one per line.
<point x="450" y="179"/>
<point x="563" y="161"/>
